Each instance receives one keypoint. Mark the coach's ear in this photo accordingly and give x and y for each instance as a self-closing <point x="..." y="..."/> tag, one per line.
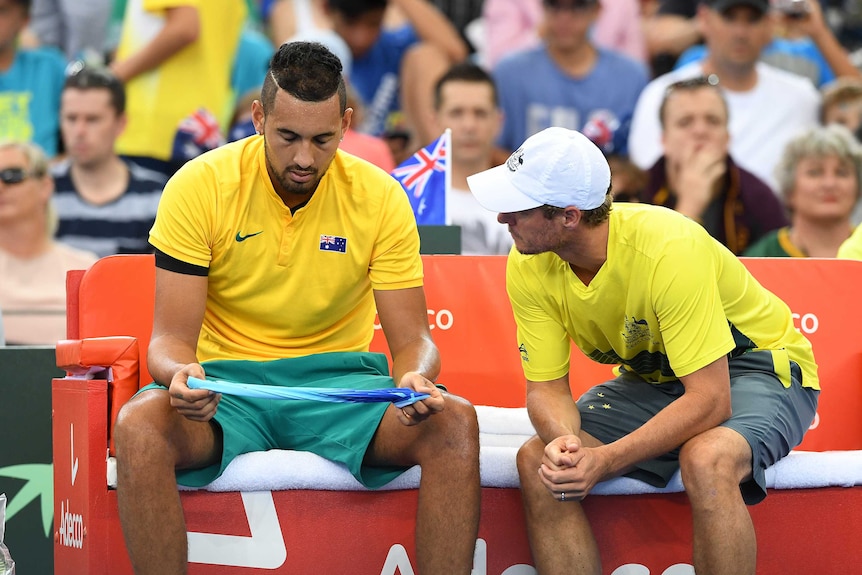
<point x="571" y="216"/>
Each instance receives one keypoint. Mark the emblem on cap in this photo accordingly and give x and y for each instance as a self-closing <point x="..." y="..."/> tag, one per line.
<point x="516" y="160"/>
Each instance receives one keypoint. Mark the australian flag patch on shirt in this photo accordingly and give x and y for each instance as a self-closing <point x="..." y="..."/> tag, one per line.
<point x="333" y="244"/>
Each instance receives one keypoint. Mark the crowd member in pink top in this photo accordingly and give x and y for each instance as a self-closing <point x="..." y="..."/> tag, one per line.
<point x="512" y="25"/>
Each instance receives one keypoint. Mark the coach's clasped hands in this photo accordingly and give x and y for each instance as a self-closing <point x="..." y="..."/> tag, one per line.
<point x="569" y="470"/>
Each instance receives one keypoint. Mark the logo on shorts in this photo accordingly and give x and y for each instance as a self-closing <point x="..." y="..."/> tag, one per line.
<point x="637" y="332"/>
<point x="524" y="355"/>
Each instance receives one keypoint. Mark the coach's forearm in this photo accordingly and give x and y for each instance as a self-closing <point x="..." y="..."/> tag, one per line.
<point x="552" y="409"/>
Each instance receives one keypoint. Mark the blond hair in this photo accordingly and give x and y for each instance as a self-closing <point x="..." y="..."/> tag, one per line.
<point x="832" y="140"/>
<point x="37" y="167"/>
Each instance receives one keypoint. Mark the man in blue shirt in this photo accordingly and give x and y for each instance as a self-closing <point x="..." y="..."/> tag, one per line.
<point x="568" y="81"/>
<point x="394" y="70"/>
<point x="30" y="83"/>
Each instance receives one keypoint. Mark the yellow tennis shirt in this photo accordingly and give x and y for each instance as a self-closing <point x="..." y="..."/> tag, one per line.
<point x="668" y="301"/>
<point x="285" y="284"/>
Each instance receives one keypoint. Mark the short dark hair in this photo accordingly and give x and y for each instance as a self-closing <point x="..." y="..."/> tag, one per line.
<point x="353" y="9"/>
<point x="464" y="72"/>
<point x="690" y="85"/>
<point x="307" y="71"/>
<point x="91" y="78"/>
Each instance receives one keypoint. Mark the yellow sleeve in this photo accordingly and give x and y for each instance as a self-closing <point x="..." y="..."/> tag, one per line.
<point x="395" y="262"/>
<point x="543" y="342"/>
<point x="184" y="221"/>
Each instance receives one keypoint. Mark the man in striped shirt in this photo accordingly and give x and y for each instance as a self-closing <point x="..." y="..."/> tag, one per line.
<point x="106" y="204"/>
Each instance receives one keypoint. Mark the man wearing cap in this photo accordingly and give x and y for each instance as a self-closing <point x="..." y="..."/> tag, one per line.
<point x="712" y="378"/>
<point x="767" y="106"/>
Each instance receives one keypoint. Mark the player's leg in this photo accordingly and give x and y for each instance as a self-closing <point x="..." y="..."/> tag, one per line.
<point x="559" y="532"/>
<point x="724" y="468"/>
<point x="560" y="536"/>
<point x="446" y="446"/>
<point x="713" y="464"/>
<point x="153" y="440"/>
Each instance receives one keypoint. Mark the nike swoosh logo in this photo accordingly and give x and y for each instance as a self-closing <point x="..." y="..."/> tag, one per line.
<point x="242" y="238"/>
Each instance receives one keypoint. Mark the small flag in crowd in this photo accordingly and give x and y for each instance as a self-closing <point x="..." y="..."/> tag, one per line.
<point x="426" y="176"/>
<point x="197" y="133"/>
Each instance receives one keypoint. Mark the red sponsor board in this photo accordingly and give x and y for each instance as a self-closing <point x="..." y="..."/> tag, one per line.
<point x="799" y="530"/>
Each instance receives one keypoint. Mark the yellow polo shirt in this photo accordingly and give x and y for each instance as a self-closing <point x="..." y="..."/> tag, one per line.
<point x="285" y="284"/>
<point x="668" y="301"/>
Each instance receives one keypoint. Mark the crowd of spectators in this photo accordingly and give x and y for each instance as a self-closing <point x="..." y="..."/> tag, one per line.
<point x="698" y="104"/>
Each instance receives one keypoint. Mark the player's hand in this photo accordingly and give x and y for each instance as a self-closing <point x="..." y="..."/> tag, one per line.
<point x="421" y="410"/>
<point x="563" y="452"/>
<point x="574" y="481"/>
<point x="195" y="404"/>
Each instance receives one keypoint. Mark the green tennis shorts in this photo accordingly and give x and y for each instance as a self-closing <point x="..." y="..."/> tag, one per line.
<point x="339" y="432"/>
<point x="772" y="419"/>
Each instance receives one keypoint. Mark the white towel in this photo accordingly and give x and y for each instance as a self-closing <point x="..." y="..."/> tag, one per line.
<point x="502" y="432"/>
<point x="804" y="469"/>
<point x="504" y="420"/>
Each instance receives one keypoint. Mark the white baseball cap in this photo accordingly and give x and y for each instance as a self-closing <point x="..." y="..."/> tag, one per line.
<point x="556" y="167"/>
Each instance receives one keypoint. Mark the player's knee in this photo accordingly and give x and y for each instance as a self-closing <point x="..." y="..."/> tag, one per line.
<point x="457" y="426"/>
<point x="529" y="458"/>
<point x="707" y="467"/>
<point x="142" y="424"/>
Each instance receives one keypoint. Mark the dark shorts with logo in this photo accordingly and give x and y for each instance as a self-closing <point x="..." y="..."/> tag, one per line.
<point x="772" y="419"/>
<point x="340" y="432"/>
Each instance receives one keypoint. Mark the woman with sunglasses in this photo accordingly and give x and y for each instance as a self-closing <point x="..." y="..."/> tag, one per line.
<point x="32" y="264"/>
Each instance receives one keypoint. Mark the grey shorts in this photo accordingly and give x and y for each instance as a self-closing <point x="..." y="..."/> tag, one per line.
<point x="772" y="419"/>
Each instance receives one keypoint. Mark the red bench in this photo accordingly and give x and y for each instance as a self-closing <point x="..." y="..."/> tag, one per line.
<point x="319" y="530"/>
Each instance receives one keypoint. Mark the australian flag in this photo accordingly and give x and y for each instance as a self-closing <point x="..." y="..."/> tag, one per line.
<point x="425" y="177"/>
<point x="333" y="244"/>
<point x="196" y="134"/>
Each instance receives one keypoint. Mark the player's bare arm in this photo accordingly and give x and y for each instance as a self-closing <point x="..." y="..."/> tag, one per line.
<point x="403" y="316"/>
<point x="179" y="311"/>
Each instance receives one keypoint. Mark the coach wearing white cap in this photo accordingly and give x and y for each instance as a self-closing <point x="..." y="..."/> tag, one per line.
<point x="713" y="379"/>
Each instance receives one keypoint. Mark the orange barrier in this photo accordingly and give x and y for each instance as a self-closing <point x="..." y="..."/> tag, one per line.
<point x="304" y="531"/>
<point x="472" y="324"/>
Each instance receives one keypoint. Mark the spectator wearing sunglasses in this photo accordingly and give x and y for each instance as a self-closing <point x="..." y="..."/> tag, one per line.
<point x="105" y="204"/>
<point x="30" y="82"/>
<point x="32" y="264"/>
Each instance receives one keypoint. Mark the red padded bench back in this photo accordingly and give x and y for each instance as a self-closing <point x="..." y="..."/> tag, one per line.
<point x="472" y="324"/>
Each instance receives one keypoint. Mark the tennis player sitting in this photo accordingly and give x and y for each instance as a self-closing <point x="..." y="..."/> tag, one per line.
<point x="271" y="255"/>
<point x="714" y="379"/>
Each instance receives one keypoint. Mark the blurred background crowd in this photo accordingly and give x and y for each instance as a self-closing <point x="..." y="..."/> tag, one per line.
<point x="745" y="115"/>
